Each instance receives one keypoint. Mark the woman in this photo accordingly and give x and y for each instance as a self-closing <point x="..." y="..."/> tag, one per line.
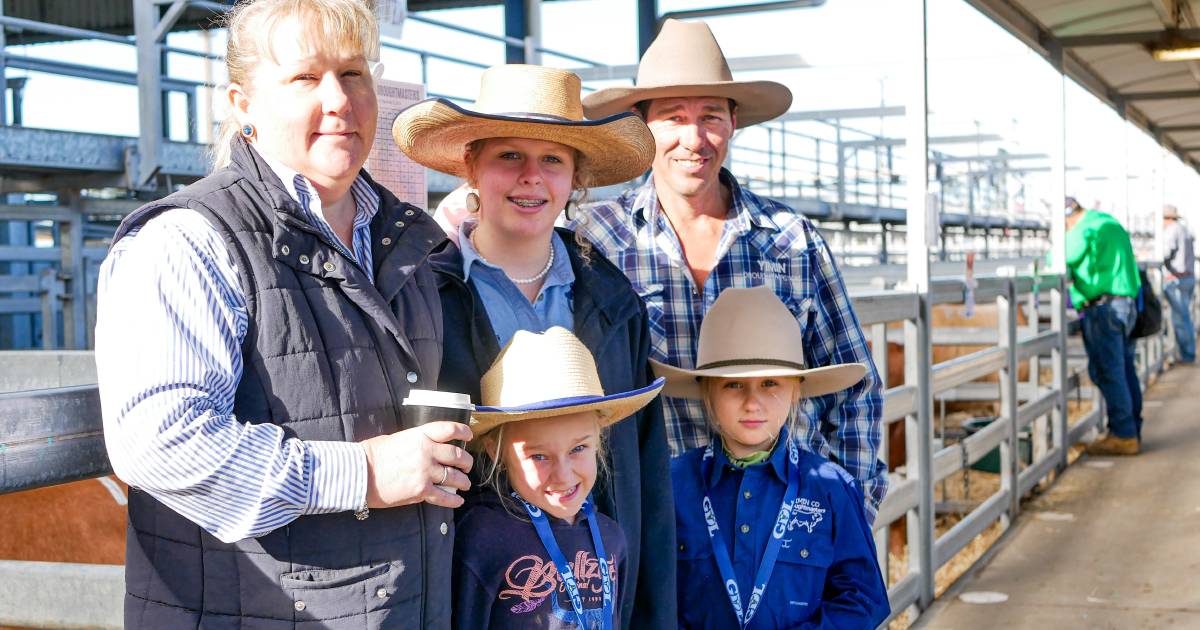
<point x="528" y="155"/>
<point x="256" y="334"/>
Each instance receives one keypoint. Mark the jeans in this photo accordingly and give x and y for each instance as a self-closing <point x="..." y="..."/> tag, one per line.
<point x="1110" y="351"/>
<point x="1179" y="293"/>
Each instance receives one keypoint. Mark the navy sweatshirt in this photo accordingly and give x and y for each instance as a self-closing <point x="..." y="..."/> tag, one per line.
<point x="504" y="578"/>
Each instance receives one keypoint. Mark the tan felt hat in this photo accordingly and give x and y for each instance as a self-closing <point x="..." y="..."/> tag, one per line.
<point x="524" y="101"/>
<point x="686" y="60"/>
<point x="749" y="333"/>
<point x="550" y="374"/>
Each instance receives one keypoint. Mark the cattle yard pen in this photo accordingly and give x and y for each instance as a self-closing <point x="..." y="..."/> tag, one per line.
<point x="50" y="417"/>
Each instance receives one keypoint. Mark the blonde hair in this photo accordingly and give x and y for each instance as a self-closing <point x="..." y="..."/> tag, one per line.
<point x="793" y="422"/>
<point x="343" y="24"/>
<point x="495" y="474"/>
<point x="581" y="180"/>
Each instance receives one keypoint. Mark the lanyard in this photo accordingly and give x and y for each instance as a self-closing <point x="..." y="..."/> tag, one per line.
<point x="766" y="565"/>
<point x="542" y="525"/>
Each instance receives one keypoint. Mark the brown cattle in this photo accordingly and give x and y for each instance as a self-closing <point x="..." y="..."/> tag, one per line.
<point x="81" y="522"/>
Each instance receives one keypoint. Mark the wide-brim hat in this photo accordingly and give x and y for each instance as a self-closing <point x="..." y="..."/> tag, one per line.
<point x="686" y="60"/>
<point x="540" y="375"/>
<point x="524" y="101"/>
<point x="1170" y="212"/>
<point x="750" y="333"/>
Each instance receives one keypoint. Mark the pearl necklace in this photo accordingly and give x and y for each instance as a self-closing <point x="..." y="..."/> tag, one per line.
<point x="530" y="280"/>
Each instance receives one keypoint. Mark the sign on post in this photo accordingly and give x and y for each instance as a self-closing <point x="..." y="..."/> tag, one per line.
<point x="387" y="164"/>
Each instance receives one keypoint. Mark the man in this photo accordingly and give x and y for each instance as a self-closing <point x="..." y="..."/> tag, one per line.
<point x="1180" y="261"/>
<point x="691" y="231"/>
<point x="1104" y="288"/>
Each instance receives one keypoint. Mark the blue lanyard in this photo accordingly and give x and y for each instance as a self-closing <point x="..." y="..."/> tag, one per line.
<point x="766" y="564"/>
<point x="542" y="525"/>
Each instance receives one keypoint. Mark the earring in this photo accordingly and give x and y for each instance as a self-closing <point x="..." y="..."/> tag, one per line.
<point x="247" y="131"/>
<point x="472" y="202"/>
<point x="571" y="211"/>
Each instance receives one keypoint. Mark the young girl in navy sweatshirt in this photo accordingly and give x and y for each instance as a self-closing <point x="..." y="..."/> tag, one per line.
<point x="770" y="536"/>
<point x="533" y="552"/>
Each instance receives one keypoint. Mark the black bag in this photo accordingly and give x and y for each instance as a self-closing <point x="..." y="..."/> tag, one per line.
<point x="1149" y="313"/>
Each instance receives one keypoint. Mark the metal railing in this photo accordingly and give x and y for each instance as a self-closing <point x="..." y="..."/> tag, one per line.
<point x="52" y="436"/>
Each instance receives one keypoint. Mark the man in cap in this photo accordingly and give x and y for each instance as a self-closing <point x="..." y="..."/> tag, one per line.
<point x="691" y="231"/>
<point x="1104" y="286"/>
<point x="1180" y="262"/>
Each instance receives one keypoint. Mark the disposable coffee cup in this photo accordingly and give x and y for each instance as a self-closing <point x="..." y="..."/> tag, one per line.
<point x="426" y="405"/>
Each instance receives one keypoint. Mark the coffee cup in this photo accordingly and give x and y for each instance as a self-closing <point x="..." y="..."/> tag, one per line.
<point x="423" y="406"/>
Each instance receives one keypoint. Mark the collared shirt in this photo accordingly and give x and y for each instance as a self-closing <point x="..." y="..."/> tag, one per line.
<point x="168" y="406"/>
<point x="1179" y="258"/>
<point x="764" y="242"/>
<point x="508" y="309"/>
<point x="366" y="206"/>
<point x="1100" y="259"/>
<point x="827" y="570"/>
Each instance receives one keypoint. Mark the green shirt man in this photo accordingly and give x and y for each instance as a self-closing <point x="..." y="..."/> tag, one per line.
<point x="1100" y="259"/>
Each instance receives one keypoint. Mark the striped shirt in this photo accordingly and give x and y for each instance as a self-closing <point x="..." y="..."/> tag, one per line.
<point x="764" y="242"/>
<point x="171" y="318"/>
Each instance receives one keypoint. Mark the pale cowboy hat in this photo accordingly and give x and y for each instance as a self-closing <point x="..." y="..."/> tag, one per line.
<point x="550" y="374"/>
<point x="685" y="60"/>
<point x="749" y="333"/>
<point x="524" y="101"/>
<point x="1170" y="212"/>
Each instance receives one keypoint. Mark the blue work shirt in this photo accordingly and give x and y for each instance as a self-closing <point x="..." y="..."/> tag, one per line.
<point x="507" y="308"/>
<point x="827" y="574"/>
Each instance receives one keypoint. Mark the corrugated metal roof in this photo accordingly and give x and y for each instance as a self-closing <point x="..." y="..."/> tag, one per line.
<point x="1104" y="47"/>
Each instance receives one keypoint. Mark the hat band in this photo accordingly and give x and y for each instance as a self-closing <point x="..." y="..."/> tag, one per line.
<point x="729" y="362"/>
<point x="535" y="116"/>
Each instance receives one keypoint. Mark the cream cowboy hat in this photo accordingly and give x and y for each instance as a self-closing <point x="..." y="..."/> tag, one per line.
<point x="749" y="333"/>
<point x="522" y="101"/>
<point x="549" y="374"/>
<point x="686" y="60"/>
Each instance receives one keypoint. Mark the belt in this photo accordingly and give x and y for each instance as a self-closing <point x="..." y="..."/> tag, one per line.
<point x="1104" y="299"/>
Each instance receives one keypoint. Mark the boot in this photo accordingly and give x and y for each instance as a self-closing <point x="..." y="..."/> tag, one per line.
<point x="1113" y="445"/>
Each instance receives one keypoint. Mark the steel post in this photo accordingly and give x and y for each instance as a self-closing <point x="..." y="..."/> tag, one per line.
<point x="1006" y="307"/>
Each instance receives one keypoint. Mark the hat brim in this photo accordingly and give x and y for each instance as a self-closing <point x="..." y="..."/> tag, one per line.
<point x="683" y="383"/>
<point x="757" y="101"/>
<point x="435" y="133"/>
<point x="611" y="408"/>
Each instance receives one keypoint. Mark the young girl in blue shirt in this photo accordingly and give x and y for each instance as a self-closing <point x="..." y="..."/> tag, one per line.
<point x="531" y="551"/>
<point x="770" y="536"/>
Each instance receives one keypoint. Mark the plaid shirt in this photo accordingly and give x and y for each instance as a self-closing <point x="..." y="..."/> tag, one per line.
<point x="764" y="242"/>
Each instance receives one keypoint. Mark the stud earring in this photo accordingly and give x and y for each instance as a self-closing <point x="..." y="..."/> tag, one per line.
<point x="248" y="131"/>
<point x="472" y="203"/>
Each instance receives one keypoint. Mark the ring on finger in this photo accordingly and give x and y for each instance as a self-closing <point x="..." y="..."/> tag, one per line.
<point x="445" y="475"/>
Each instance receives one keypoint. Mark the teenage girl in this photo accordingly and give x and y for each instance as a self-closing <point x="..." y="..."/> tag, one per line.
<point x="770" y="536"/>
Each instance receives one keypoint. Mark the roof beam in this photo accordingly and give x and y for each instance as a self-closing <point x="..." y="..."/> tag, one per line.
<point x="1175" y="128"/>
<point x="1165" y="95"/>
<point x="1142" y="37"/>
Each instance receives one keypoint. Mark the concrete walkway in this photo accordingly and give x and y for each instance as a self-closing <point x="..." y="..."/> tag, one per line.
<point x="1115" y="543"/>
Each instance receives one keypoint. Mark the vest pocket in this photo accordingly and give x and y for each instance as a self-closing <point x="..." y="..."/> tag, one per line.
<point x="320" y="594"/>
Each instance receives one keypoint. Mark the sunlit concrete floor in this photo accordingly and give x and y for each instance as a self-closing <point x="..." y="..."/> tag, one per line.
<point x="1129" y="557"/>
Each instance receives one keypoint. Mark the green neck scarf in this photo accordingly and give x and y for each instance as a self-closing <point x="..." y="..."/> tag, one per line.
<point x="757" y="457"/>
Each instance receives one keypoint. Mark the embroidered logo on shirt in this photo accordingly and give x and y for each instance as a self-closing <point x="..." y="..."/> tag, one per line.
<point x="532" y="580"/>
<point x="806" y="513"/>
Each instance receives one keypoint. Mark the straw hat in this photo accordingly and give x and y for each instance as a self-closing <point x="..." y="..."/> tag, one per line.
<point x="749" y="333"/>
<point x="550" y="374"/>
<point x="522" y="101"/>
<point x="685" y="60"/>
